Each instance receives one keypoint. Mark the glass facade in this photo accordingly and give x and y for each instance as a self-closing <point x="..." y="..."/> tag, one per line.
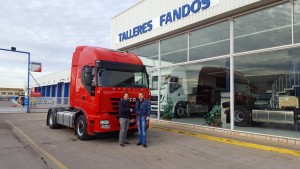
<point x="174" y="50"/>
<point x="190" y="73"/>
<point x="263" y="29"/>
<point x="210" y="41"/>
<point x="274" y="85"/>
<point x="297" y="21"/>
<point x="190" y="91"/>
<point x="148" y="54"/>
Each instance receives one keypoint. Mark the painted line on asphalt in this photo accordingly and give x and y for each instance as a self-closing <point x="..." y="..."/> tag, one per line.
<point x="234" y="142"/>
<point x="35" y="145"/>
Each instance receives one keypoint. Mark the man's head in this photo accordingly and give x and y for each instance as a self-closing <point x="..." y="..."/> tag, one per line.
<point x="141" y="96"/>
<point x="126" y="96"/>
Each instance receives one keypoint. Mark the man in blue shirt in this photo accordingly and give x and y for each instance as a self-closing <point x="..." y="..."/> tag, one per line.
<point x="142" y="109"/>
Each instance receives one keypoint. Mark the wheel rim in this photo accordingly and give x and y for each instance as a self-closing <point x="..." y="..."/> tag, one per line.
<point x="80" y="128"/>
<point x="180" y="111"/>
<point x="238" y="116"/>
<point x="51" y="119"/>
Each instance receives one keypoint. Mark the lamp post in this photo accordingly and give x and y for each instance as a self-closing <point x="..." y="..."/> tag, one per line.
<point x="13" y="49"/>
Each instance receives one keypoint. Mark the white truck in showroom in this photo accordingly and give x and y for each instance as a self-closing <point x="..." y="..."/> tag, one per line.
<point x="195" y="92"/>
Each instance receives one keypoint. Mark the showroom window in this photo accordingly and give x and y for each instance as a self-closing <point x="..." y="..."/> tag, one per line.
<point x="148" y="54"/>
<point x="189" y="92"/>
<point x="297" y="21"/>
<point x="263" y="29"/>
<point x="174" y="50"/>
<point x="210" y="41"/>
<point x="269" y="105"/>
<point x="153" y="86"/>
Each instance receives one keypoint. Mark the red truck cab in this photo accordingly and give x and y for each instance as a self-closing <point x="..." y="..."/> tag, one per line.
<point x="99" y="78"/>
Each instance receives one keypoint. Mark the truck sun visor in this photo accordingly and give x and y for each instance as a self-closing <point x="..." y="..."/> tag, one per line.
<point x="120" y="66"/>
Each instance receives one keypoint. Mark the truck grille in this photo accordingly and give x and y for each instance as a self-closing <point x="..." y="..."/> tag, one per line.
<point x="154" y="100"/>
<point x="115" y="105"/>
<point x="115" y="109"/>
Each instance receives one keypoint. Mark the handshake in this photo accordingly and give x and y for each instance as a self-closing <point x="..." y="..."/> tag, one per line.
<point x="131" y="110"/>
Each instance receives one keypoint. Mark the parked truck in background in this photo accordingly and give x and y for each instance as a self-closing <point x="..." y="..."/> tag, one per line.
<point x="99" y="78"/>
<point x="193" y="92"/>
<point x="280" y="105"/>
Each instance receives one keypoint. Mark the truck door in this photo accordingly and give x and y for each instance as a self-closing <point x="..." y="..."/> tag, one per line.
<point x="87" y="94"/>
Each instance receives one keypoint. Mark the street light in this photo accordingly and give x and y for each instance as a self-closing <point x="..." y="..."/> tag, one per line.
<point x="14" y="49"/>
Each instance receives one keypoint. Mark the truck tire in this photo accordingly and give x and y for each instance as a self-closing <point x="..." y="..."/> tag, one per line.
<point x="81" y="128"/>
<point x="180" y="110"/>
<point x="52" y="120"/>
<point x="241" y="117"/>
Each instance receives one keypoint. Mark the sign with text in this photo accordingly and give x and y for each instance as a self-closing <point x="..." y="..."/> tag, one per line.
<point x="36" y="66"/>
<point x="174" y="15"/>
<point x="42" y="102"/>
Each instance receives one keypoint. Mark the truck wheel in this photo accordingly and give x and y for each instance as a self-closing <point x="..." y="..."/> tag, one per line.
<point x="81" y="128"/>
<point x="52" y="120"/>
<point x="180" y="111"/>
<point x="241" y="117"/>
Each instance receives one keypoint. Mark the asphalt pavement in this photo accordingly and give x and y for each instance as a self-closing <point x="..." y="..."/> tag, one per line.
<point x="26" y="142"/>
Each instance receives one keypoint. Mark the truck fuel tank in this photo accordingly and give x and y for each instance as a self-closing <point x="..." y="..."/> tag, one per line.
<point x="273" y="116"/>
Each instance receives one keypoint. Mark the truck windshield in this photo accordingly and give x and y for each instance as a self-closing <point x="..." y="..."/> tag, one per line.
<point x="114" y="78"/>
<point x="154" y="83"/>
<point x="163" y="84"/>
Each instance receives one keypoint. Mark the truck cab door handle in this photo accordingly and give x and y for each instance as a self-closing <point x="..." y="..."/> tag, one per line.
<point x="83" y="97"/>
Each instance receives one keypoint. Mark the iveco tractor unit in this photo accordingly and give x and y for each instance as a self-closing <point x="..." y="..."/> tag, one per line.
<point x="99" y="78"/>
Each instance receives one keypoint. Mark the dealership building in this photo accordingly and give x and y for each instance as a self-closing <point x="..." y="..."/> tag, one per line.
<point x="240" y="57"/>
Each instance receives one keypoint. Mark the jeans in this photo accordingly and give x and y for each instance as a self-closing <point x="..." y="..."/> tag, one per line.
<point x="124" y="124"/>
<point x="142" y="129"/>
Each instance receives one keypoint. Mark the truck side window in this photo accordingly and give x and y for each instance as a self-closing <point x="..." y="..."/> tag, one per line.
<point x="174" y="84"/>
<point x="87" y="79"/>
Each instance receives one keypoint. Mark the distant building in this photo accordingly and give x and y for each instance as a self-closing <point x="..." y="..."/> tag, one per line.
<point x="53" y="85"/>
<point x="6" y="93"/>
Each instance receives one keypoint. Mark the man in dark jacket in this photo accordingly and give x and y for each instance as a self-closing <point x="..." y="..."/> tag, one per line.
<point x="124" y="118"/>
<point x="142" y="109"/>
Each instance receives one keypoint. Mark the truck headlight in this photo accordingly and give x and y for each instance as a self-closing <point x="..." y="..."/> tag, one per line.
<point x="104" y="122"/>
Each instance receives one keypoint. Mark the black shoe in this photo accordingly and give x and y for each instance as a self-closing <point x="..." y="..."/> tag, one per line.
<point x="139" y="144"/>
<point x="122" y="145"/>
<point x="145" y="145"/>
<point x="126" y="142"/>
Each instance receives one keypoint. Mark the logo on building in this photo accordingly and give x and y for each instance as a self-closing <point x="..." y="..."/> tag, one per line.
<point x="167" y="18"/>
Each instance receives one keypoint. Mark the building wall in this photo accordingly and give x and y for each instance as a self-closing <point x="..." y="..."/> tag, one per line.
<point x="192" y="61"/>
<point x="52" y="79"/>
<point x="10" y="92"/>
<point x="55" y="85"/>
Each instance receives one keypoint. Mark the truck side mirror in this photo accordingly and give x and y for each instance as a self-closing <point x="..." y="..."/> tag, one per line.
<point x="88" y="78"/>
<point x="87" y="69"/>
<point x="147" y="76"/>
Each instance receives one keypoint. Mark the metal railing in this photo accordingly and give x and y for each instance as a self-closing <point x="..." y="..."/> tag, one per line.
<point x="285" y="84"/>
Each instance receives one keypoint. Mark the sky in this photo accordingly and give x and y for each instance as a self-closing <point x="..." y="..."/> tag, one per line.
<point x="50" y="30"/>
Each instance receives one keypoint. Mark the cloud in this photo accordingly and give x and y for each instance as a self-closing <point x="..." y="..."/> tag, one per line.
<point x="50" y="30"/>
